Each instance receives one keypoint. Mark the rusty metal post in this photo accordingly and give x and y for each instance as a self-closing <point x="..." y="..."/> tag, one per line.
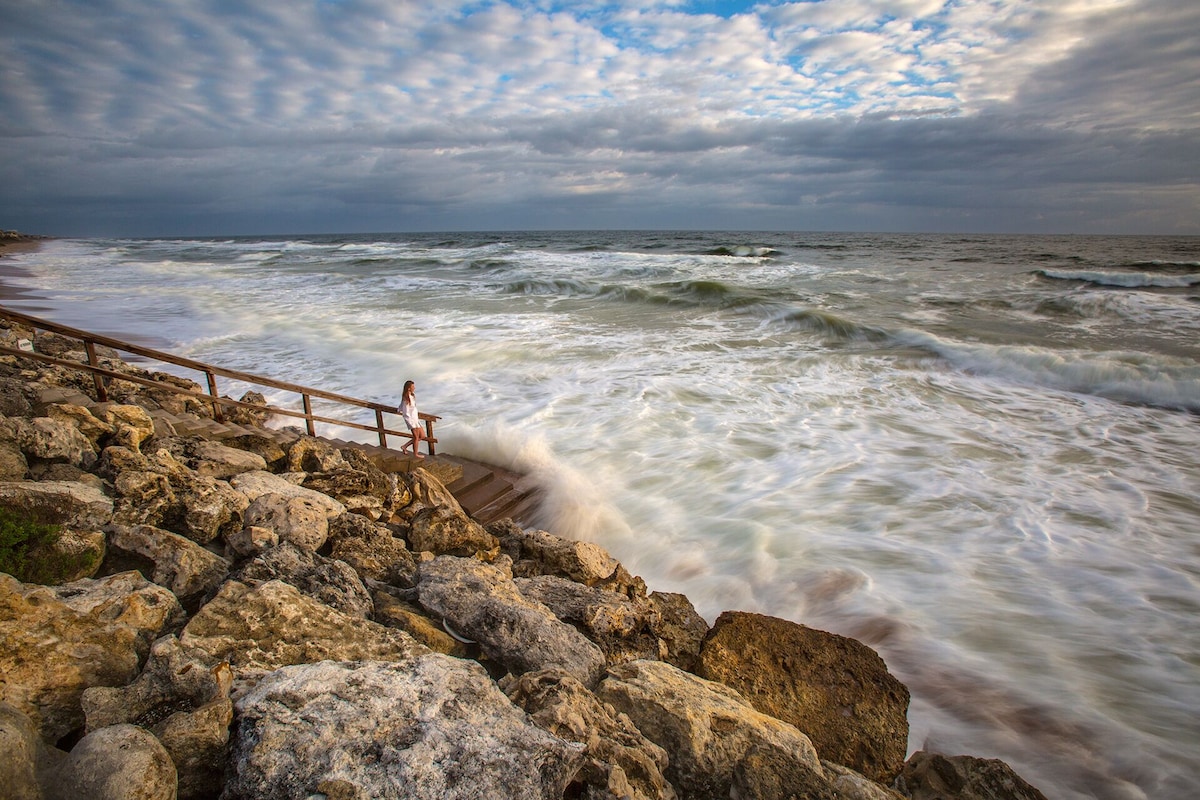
<point x="101" y="390"/>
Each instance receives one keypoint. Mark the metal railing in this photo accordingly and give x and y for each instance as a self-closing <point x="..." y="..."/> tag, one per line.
<point x="100" y="374"/>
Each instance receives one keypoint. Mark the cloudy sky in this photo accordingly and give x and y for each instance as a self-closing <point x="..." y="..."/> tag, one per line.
<point x="212" y="117"/>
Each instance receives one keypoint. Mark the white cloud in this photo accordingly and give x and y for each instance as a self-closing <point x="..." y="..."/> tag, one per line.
<point x="277" y="104"/>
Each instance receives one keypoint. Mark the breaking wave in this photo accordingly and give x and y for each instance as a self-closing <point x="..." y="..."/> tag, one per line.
<point x="1124" y="280"/>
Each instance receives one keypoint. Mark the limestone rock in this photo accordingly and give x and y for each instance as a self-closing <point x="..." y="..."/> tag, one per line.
<point x="255" y="417"/>
<point x="851" y="785"/>
<point x="26" y="756"/>
<point x="931" y="776"/>
<point x="433" y="728"/>
<point x="13" y="399"/>
<point x="326" y="580"/>
<point x="132" y="425"/>
<point x="13" y="466"/>
<point x="837" y="690"/>
<point x="249" y="542"/>
<point x="215" y="460"/>
<point x="122" y="762"/>
<point x="57" y="641"/>
<point x="79" y="505"/>
<point x="707" y="729"/>
<point x="54" y="440"/>
<point x="445" y="530"/>
<point x="620" y="626"/>
<point x="174" y="562"/>
<point x="372" y="550"/>
<point x="256" y="484"/>
<point x="621" y="762"/>
<point x="679" y="628"/>
<point x="182" y="701"/>
<point x="162" y="491"/>
<point x="307" y="454"/>
<point x="298" y="520"/>
<point x="422" y="489"/>
<point x="207" y="509"/>
<point x="261" y="628"/>
<point x="74" y="555"/>
<point x="94" y="429"/>
<point x="395" y="613"/>
<point x="265" y="448"/>
<point x="582" y="562"/>
<point x="482" y="603"/>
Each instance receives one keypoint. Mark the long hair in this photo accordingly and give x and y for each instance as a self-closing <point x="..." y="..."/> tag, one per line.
<point x="408" y="385"/>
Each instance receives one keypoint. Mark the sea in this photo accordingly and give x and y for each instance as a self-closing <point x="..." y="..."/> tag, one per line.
<point x="978" y="454"/>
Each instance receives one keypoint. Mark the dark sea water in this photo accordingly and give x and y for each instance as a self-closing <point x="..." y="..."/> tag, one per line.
<point x="978" y="454"/>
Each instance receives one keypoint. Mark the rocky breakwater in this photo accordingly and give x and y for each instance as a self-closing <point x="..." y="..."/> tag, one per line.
<point x="222" y="625"/>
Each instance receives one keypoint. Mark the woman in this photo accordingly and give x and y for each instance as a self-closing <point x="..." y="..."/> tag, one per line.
<point x="408" y="410"/>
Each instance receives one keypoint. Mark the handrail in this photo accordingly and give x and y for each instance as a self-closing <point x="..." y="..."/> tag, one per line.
<point x="99" y="373"/>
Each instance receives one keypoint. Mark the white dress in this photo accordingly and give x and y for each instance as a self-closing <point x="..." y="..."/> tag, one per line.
<point x="409" y="412"/>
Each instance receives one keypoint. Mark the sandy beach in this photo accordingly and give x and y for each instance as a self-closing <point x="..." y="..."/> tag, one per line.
<point x="10" y="270"/>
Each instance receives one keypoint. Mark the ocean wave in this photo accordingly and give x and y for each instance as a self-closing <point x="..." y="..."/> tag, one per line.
<point x="1124" y="280"/>
<point x="742" y="251"/>
<point x="1138" y="378"/>
<point x="829" y="324"/>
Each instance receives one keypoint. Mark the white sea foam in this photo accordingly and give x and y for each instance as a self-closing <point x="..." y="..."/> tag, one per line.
<point x="1128" y="280"/>
<point x="1002" y="501"/>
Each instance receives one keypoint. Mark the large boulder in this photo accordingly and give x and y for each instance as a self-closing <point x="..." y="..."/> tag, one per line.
<point x="132" y="425"/>
<point x="256" y="484"/>
<point x="708" y="730"/>
<point x="621" y="762"/>
<point x="181" y="700"/>
<point x="27" y="758"/>
<point x="326" y="580"/>
<point x="679" y="627"/>
<point x="261" y="628"/>
<point x="620" y="626"/>
<point x="79" y="505"/>
<point x="122" y="762"/>
<point x="308" y="454"/>
<point x="481" y="602"/>
<point x="55" y="642"/>
<point x="837" y="690"/>
<point x="447" y="530"/>
<point x="214" y="459"/>
<point x="298" y="520"/>
<point x="541" y="553"/>
<point x="168" y="559"/>
<point x="932" y="776"/>
<point x="432" y="728"/>
<point x="59" y="439"/>
<point x="372" y="550"/>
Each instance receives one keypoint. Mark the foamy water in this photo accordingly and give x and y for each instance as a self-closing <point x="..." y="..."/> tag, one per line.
<point x="977" y="454"/>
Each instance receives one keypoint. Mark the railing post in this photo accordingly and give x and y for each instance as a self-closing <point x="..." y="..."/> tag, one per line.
<point x="101" y="390"/>
<point x="308" y="420"/>
<point x="379" y="428"/>
<point x="212" y="390"/>
<point x="429" y="436"/>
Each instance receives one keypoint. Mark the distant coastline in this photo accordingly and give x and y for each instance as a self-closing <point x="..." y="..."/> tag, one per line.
<point x="12" y="242"/>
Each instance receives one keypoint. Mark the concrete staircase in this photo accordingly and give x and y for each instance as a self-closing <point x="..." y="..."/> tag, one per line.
<point x="485" y="491"/>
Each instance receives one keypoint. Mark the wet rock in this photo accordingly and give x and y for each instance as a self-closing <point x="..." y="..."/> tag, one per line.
<point x="481" y="602"/>
<point x="837" y="690"/>
<point x="932" y="776"/>
<point x="185" y="703"/>
<point x="434" y="728"/>
<point x="372" y="550"/>
<point x="259" y="629"/>
<point x="707" y="730"/>
<point x="326" y="580"/>
<point x="621" y="762"/>
<point x="175" y="562"/>
<point x="117" y="763"/>
<point x="57" y="641"/>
